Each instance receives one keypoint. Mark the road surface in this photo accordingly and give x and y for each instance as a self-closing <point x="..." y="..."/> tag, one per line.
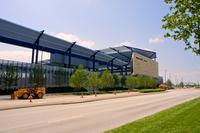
<point x="92" y="117"/>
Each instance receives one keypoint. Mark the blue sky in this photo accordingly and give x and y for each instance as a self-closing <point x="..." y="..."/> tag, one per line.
<point x="100" y="24"/>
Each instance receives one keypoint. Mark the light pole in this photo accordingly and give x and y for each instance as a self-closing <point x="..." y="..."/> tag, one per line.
<point x="165" y="75"/>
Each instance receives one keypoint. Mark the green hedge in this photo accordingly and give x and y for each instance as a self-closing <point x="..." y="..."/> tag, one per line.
<point x="141" y="81"/>
<point x="151" y="90"/>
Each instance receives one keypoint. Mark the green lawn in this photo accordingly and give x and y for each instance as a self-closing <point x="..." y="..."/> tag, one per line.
<point x="184" y="118"/>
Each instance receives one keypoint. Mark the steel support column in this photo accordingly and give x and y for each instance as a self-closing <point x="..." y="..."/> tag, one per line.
<point x="112" y="66"/>
<point x="126" y="70"/>
<point x="93" y="59"/>
<point x="120" y="53"/>
<point x="111" y="61"/>
<point x="33" y="54"/>
<point x="69" y="52"/>
<point x="35" y="46"/>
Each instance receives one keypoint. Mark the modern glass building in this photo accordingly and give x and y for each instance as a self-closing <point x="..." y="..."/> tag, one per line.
<point x="121" y="60"/>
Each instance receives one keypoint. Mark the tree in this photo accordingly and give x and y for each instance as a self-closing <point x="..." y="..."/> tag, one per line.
<point x="107" y="80"/>
<point x="10" y="76"/>
<point x="93" y="81"/>
<point x="131" y="82"/>
<point x="181" y="84"/>
<point x="152" y="82"/>
<point x="123" y="81"/>
<point x="78" y="79"/>
<point x="141" y="81"/>
<point x="61" y="76"/>
<point x="116" y="78"/>
<point x="183" y="22"/>
<point x="37" y="76"/>
<point x="169" y="83"/>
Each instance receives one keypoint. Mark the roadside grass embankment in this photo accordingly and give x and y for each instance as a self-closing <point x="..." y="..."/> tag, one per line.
<point x="183" y="118"/>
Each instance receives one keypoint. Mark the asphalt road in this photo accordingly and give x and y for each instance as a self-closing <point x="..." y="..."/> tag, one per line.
<point x="90" y="117"/>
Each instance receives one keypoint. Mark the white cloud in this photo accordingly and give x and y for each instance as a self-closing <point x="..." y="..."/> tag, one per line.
<point x="126" y="43"/>
<point x="156" y="40"/>
<point x="73" y="38"/>
<point x="21" y="55"/>
<point x="131" y="44"/>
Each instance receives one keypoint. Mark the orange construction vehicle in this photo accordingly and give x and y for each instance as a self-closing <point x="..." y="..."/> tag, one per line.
<point x="35" y="92"/>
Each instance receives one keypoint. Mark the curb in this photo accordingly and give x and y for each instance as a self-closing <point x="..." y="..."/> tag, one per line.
<point x="77" y="102"/>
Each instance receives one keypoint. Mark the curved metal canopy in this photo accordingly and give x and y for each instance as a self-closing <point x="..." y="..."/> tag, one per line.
<point x="125" y="52"/>
<point x="22" y="36"/>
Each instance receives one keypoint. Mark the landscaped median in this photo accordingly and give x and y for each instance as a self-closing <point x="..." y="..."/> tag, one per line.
<point x="183" y="118"/>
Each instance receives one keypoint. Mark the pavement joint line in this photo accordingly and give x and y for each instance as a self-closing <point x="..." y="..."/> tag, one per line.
<point x="77" y="102"/>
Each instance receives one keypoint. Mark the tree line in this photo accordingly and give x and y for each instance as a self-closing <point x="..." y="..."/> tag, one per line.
<point x="94" y="81"/>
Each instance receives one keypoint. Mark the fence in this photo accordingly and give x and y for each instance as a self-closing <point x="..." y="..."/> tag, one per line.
<point x="53" y="76"/>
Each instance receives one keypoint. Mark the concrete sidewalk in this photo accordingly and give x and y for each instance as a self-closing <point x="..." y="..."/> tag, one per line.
<point x="6" y="103"/>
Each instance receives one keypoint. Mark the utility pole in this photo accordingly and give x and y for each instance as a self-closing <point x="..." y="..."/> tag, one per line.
<point x="165" y="75"/>
<point x="169" y="76"/>
<point x="176" y="80"/>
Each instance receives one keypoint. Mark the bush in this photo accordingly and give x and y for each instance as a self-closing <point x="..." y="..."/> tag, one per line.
<point x="151" y="90"/>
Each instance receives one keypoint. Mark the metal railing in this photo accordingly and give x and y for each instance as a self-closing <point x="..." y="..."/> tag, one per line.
<point x="51" y="74"/>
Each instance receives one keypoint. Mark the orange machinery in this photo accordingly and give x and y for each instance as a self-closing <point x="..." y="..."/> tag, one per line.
<point x="35" y="92"/>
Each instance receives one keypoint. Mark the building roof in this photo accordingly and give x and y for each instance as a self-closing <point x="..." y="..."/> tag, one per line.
<point x="22" y="36"/>
<point x="125" y="52"/>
